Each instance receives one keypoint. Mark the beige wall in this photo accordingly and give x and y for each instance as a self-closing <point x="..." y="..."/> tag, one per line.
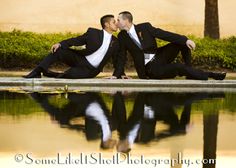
<point x="183" y="16"/>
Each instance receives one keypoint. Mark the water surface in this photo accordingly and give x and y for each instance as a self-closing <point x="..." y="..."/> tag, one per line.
<point x="157" y="125"/>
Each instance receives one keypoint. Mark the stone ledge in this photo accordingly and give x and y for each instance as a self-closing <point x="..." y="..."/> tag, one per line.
<point x="96" y="82"/>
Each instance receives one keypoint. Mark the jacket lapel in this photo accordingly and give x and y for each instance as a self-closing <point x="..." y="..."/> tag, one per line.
<point x="101" y="35"/>
<point x="139" y="34"/>
<point x="112" y="41"/>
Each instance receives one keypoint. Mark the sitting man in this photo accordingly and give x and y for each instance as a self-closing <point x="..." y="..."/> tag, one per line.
<point x="100" y="45"/>
<point x="152" y="62"/>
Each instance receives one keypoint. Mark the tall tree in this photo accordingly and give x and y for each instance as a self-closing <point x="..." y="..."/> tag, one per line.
<point x="211" y="28"/>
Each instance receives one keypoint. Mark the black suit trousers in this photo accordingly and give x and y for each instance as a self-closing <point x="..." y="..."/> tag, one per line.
<point x="79" y="66"/>
<point x="162" y="66"/>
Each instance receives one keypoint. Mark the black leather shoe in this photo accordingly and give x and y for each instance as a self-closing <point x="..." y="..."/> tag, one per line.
<point x="60" y="75"/>
<point x="36" y="73"/>
<point x="49" y="73"/>
<point x="188" y="77"/>
<point x="219" y="76"/>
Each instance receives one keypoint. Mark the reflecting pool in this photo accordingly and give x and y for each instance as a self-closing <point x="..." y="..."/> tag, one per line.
<point x="137" y="129"/>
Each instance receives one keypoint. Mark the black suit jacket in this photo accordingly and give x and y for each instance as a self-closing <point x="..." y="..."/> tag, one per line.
<point x="147" y="35"/>
<point x="92" y="40"/>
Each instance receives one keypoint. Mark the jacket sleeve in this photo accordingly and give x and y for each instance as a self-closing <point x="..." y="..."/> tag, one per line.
<point x="119" y="59"/>
<point x="76" y="41"/>
<point x="141" y="71"/>
<point x="167" y="36"/>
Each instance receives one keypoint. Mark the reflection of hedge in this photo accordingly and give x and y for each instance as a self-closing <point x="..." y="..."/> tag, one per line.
<point x="26" y="49"/>
<point x="22" y="104"/>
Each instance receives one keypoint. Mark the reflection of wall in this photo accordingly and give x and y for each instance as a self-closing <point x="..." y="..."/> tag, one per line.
<point x="185" y="16"/>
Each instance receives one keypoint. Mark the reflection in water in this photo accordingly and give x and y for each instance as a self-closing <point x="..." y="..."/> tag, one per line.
<point x="152" y="108"/>
<point x="88" y="105"/>
<point x="210" y="137"/>
<point x="136" y="117"/>
<point x="148" y="110"/>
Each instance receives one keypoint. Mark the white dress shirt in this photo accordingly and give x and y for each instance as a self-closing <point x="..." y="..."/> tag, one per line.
<point x="133" y="133"/>
<point x="134" y="35"/>
<point x="96" y="58"/>
<point x="148" y="112"/>
<point x="95" y="111"/>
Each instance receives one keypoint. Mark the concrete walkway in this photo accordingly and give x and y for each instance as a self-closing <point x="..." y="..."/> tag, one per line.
<point x="12" y="80"/>
<point x="47" y="84"/>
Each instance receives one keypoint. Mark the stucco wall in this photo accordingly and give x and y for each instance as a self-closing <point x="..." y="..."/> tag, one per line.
<point x="183" y="16"/>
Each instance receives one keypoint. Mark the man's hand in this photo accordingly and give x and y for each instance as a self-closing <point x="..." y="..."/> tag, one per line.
<point x="122" y="77"/>
<point x="125" y="77"/>
<point x="55" y="47"/>
<point x="191" y="44"/>
<point x="111" y="77"/>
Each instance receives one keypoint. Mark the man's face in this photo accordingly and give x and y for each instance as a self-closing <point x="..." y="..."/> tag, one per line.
<point x="112" y="25"/>
<point x="121" y="23"/>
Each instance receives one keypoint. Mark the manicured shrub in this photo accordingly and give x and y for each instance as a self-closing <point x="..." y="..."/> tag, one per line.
<point x="26" y="49"/>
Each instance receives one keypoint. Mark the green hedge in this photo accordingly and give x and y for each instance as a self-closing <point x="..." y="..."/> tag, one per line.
<point x="215" y="53"/>
<point x="26" y="49"/>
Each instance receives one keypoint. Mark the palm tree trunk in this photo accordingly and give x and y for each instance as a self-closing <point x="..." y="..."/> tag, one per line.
<point x="210" y="130"/>
<point x="211" y="28"/>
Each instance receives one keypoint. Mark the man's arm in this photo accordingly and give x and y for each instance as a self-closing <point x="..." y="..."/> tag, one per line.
<point x="119" y="59"/>
<point x="171" y="37"/>
<point x="167" y="36"/>
<point x="76" y="41"/>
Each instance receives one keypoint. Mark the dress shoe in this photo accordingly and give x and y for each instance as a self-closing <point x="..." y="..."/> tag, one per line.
<point x="109" y="144"/>
<point x="218" y="76"/>
<point x="60" y="75"/>
<point x="123" y="146"/>
<point x="51" y="74"/>
<point x="36" y="73"/>
<point x="189" y="77"/>
<point x="38" y="97"/>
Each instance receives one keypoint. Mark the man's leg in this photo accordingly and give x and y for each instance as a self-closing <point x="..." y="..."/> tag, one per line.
<point x="169" y="71"/>
<point x="168" y="53"/>
<point x="78" y="72"/>
<point x="186" y="54"/>
<point x="66" y="56"/>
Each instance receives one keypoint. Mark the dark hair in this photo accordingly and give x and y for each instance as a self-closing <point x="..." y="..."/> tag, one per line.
<point x="105" y="19"/>
<point x="127" y="15"/>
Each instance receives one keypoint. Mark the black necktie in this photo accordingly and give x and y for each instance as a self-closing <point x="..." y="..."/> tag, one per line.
<point x="135" y="41"/>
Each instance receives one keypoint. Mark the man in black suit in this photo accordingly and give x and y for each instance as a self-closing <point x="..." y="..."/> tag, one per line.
<point x="100" y="45"/>
<point x="153" y="62"/>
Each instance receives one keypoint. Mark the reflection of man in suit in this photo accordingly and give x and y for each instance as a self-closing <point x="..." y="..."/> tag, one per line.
<point x="100" y="45"/>
<point x="89" y="105"/>
<point x="119" y="114"/>
<point x="150" y="108"/>
<point x="157" y="63"/>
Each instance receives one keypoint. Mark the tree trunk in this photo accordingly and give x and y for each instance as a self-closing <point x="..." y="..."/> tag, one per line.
<point x="211" y="28"/>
